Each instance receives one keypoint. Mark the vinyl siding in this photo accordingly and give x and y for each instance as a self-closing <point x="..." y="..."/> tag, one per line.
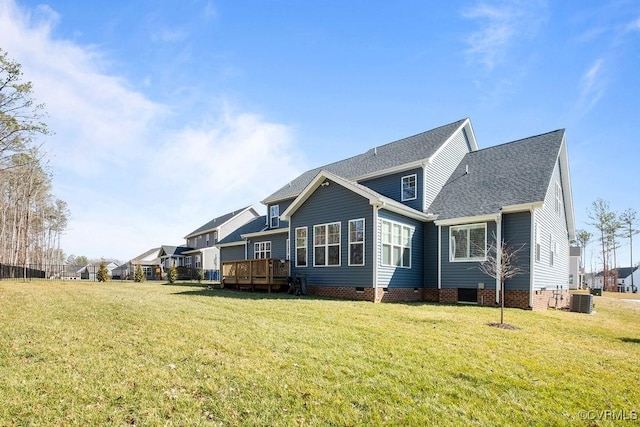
<point x="553" y="227"/>
<point x="398" y="277"/>
<point x="232" y="253"/>
<point x="444" y="163"/>
<point x="516" y="233"/>
<point x="278" y="245"/>
<point x="335" y="203"/>
<point x="430" y="255"/>
<point x="391" y="186"/>
<point x="464" y="274"/>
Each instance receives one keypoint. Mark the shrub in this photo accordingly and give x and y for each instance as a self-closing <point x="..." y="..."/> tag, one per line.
<point x="200" y="275"/>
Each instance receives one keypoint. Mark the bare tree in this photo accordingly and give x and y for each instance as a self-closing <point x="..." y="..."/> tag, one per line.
<point x="602" y="218"/>
<point x="30" y="221"/>
<point x="502" y="264"/>
<point x="628" y="218"/>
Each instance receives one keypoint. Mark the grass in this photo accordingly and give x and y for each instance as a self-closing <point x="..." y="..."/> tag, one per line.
<point x="150" y="354"/>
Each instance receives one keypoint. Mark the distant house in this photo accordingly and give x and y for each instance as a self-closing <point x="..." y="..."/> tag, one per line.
<point x="625" y="279"/>
<point x="150" y="263"/>
<point x="413" y="219"/>
<point x="204" y="254"/>
<point x="72" y="272"/>
<point x="576" y="273"/>
<point x="90" y="271"/>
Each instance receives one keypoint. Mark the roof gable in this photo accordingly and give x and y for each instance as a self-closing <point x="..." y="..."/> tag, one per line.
<point x="218" y="222"/>
<point x="375" y="198"/>
<point x="407" y="152"/>
<point x="512" y="174"/>
<point x="255" y="225"/>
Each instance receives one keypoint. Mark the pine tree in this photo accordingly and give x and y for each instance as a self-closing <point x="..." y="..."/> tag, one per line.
<point x="172" y="274"/>
<point x="138" y="276"/>
<point x="103" y="273"/>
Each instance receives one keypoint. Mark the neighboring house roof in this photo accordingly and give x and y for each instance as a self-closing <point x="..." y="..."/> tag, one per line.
<point x="511" y="174"/>
<point x="219" y="221"/>
<point x="623" y="272"/>
<point x="404" y="153"/>
<point x="575" y="251"/>
<point x="168" y="251"/>
<point x="149" y="257"/>
<point x="253" y="226"/>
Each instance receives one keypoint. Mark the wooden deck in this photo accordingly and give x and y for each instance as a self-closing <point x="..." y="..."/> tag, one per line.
<point x="256" y="274"/>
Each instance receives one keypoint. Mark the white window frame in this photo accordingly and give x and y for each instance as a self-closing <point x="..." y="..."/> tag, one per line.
<point x="398" y="243"/>
<point x="356" y="240"/>
<point x="558" y="203"/>
<point x="198" y="261"/>
<point x="407" y="178"/>
<point x="304" y="247"/>
<point x="325" y="244"/>
<point x="468" y="257"/>
<point x="187" y="261"/>
<point x="274" y="216"/>
<point x="262" y="249"/>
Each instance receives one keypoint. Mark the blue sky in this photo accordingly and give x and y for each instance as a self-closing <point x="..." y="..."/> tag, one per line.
<point x="167" y="114"/>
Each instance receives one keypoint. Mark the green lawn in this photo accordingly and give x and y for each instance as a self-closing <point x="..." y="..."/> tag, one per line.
<point x="152" y="354"/>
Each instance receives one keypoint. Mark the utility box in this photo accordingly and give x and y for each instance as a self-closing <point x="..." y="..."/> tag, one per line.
<point x="582" y="303"/>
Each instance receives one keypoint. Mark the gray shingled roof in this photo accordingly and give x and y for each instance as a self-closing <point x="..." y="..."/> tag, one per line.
<point x="510" y="174"/>
<point x="216" y="222"/>
<point x="388" y="156"/>
<point x="253" y="226"/>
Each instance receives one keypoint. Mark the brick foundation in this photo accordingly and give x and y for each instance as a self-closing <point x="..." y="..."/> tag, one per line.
<point x="342" y="292"/>
<point x="487" y="297"/>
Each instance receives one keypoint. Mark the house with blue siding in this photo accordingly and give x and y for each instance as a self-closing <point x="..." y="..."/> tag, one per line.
<point x="415" y="218"/>
<point x="204" y="253"/>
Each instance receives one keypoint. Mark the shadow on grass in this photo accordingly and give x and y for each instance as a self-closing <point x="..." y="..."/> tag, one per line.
<point x="631" y="340"/>
<point x="246" y="295"/>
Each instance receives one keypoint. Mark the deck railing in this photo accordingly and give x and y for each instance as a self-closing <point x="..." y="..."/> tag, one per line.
<point x="268" y="273"/>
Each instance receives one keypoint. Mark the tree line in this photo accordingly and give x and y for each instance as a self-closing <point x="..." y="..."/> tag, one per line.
<point x="32" y="219"/>
<point x="612" y="229"/>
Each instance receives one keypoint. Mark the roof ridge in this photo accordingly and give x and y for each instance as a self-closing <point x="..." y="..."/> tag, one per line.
<point x="519" y="140"/>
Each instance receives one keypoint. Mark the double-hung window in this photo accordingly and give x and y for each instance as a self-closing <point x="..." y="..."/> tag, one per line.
<point x="326" y="244"/>
<point x="468" y="242"/>
<point x="409" y="187"/>
<point x="301" y="247"/>
<point x="262" y="250"/>
<point x="274" y="215"/>
<point x="356" y="242"/>
<point x="396" y="244"/>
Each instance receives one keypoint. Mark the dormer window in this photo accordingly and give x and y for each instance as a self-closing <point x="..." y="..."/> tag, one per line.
<point x="409" y="187"/>
<point x="274" y="216"/>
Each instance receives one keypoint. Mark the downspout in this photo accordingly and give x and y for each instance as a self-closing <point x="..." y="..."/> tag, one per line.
<point x="376" y="251"/>
<point x="440" y="258"/>
<point x="532" y="256"/>
<point x="499" y="283"/>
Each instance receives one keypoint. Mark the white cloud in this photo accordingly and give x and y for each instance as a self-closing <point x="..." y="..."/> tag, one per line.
<point x="500" y="25"/>
<point x="591" y="86"/>
<point x="132" y="177"/>
<point x="233" y="159"/>
<point x="93" y="114"/>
